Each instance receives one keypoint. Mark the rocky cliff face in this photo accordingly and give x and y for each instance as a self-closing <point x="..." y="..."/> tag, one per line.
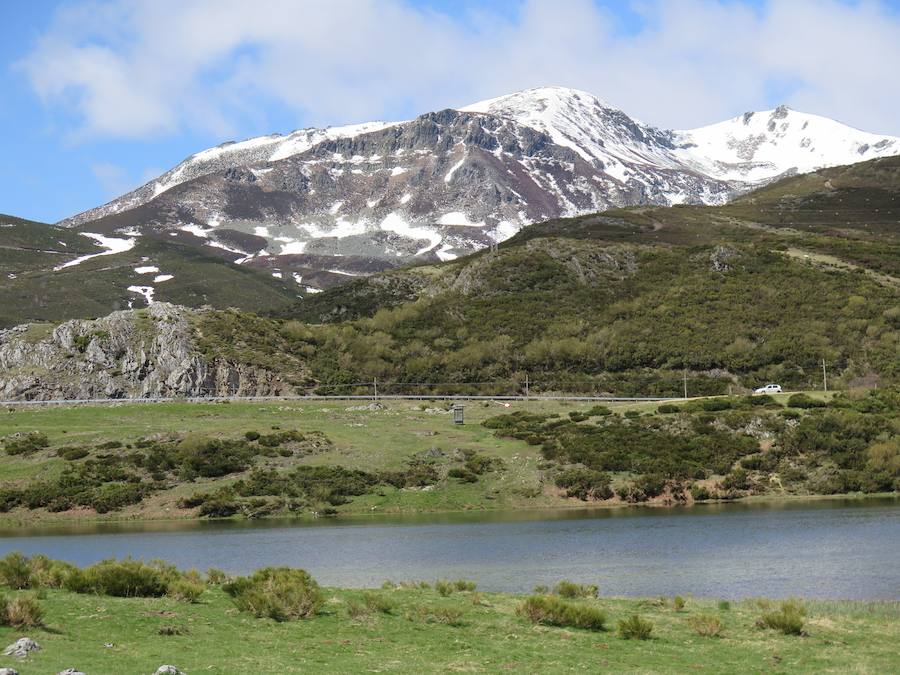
<point x="128" y="354"/>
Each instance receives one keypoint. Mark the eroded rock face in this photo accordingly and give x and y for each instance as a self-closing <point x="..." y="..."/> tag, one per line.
<point x="129" y="354"/>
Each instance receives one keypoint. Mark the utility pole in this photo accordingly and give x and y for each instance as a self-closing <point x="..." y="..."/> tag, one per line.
<point x="376" y="389"/>
<point x="685" y="382"/>
<point x="526" y="385"/>
<point x="824" y="376"/>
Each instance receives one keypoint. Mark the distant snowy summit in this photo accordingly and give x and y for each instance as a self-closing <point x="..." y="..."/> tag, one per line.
<point x="318" y="204"/>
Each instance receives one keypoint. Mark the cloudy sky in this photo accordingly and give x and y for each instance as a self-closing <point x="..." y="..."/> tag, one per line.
<point x="99" y="96"/>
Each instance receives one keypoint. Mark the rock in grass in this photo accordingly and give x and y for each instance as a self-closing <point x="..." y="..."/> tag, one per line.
<point x="22" y="648"/>
<point x="168" y="670"/>
<point x="70" y="671"/>
<point x="8" y="671"/>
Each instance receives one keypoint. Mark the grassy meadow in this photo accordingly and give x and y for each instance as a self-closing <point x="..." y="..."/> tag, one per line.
<point x="415" y="630"/>
<point x="306" y="458"/>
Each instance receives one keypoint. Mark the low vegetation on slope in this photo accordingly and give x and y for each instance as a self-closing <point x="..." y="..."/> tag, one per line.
<point x="182" y="460"/>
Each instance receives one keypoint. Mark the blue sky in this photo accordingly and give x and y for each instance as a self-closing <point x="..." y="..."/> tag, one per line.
<point x="99" y="96"/>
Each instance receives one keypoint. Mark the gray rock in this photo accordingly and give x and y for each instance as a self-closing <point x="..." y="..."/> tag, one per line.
<point x="8" y="671"/>
<point x="123" y="355"/>
<point x="22" y="648"/>
<point x="168" y="670"/>
<point x="70" y="671"/>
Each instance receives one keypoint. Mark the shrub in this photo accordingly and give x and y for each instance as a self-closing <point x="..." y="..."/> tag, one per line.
<point x="668" y="409"/>
<point x="634" y="628"/>
<point x="715" y="405"/>
<point x="464" y="475"/>
<point x="585" y="484"/>
<point x="170" y="629"/>
<point x="599" y="411"/>
<point x="216" y="577"/>
<point x="569" y="589"/>
<point x="25" y="445"/>
<point x="449" y="616"/>
<point x="554" y="611"/>
<point x="126" y="579"/>
<point x="22" y="611"/>
<point x="724" y="605"/>
<point x="578" y="416"/>
<point x="678" y="603"/>
<point x="375" y="602"/>
<point x="707" y="625"/>
<point x="219" y="506"/>
<point x="279" y="593"/>
<point x="110" y="445"/>
<point x="631" y="414"/>
<point x="48" y="573"/>
<point x="464" y="585"/>
<point x="252" y="435"/>
<point x="444" y="588"/>
<point x="114" y="496"/>
<point x="73" y="454"/>
<point x="805" y="401"/>
<point x="788" y="618"/>
<point x="15" y="571"/>
<point x="700" y="493"/>
<point x="185" y="590"/>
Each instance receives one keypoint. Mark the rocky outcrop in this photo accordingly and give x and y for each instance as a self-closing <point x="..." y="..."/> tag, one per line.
<point x="129" y="354"/>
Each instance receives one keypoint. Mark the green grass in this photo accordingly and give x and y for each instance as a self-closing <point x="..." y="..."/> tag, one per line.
<point x="411" y="637"/>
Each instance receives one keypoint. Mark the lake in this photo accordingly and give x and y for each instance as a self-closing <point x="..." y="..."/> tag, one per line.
<point x="821" y="549"/>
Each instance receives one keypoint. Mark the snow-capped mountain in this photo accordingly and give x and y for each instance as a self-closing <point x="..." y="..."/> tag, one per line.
<point x="321" y="204"/>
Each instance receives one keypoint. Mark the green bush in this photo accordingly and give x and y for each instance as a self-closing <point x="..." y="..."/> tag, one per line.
<point x="279" y="593"/>
<point x="443" y="587"/>
<point x="668" y="409"/>
<point x="634" y="628"/>
<point x="551" y="610"/>
<point x="569" y="589"/>
<point x="805" y="401"/>
<point x="700" y="493"/>
<point x="122" y="578"/>
<point x="185" y="590"/>
<point x="678" y="603"/>
<point x="48" y="573"/>
<point x="376" y="602"/>
<point x="599" y="411"/>
<point x="73" y="454"/>
<point x="788" y="618"/>
<point x="114" y="496"/>
<point x="464" y="475"/>
<point x="585" y="484"/>
<point x="252" y="435"/>
<point x="464" y="585"/>
<point x="27" y="444"/>
<point x="15" y="571"/>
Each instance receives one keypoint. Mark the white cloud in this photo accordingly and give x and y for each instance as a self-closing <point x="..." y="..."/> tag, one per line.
<point x="139" y="69"/>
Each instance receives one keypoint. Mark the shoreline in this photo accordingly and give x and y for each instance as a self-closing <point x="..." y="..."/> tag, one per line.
<point x="8" y="526"/>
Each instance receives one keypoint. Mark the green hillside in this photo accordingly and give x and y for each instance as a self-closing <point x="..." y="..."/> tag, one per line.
<point x="32" y="290"/>
<point x="760" y="290"/>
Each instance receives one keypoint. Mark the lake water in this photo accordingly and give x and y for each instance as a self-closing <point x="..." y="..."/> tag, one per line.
<point x="825" y="549"/>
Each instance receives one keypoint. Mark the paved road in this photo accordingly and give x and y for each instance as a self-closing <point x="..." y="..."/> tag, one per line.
<point x="390" y="397"/>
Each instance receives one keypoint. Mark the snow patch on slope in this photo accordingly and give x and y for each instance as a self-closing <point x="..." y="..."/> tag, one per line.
<point x="112" y="244"/>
